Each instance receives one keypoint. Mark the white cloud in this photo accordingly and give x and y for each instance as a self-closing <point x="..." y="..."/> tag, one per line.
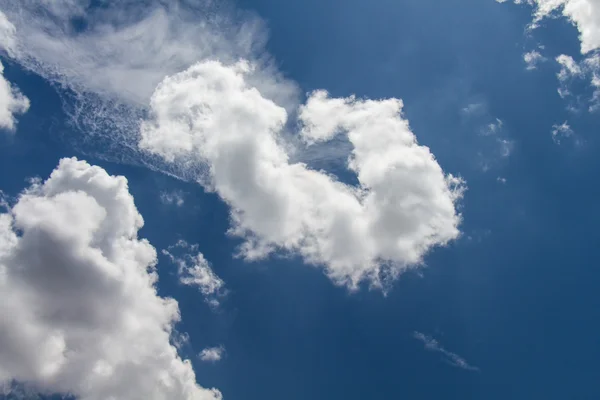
<point x="452" y="358"/>
<point x="12" y="102"/>
<point x="107" y="68"/>
<point x="532" y="59"/>
<point x="561" y="131"/>
<point x="584" y="14"/>
<point x="568" y="67"/>
<point x="212" y="354"/>
<point x="81" y="286"/>
<point x="8" y="34"/>
<point x="194" y="270"/>
<point x="588" y="69"/>
<point x="404" y="206"/>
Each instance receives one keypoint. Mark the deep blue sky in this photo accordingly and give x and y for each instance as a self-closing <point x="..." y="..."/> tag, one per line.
<point x="516" y="296"/>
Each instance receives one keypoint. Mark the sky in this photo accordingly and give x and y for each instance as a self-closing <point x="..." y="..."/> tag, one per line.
<point x="257" y="199"/>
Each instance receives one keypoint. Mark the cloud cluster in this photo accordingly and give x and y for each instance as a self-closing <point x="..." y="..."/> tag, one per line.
<point x="80" y="314"/>
<point x="587" y="69"/>
<point x="584" y="14"/>
<point x="403" y="206"/>
<point x="225" y="124"/>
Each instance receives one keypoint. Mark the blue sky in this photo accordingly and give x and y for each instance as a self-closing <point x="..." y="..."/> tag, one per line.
<point x="420" y="286"/>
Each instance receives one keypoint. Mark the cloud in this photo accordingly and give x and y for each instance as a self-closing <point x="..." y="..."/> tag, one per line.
<point x="212" y="354"/>
<point x="175" y="197"/>
<point x="494" y="142"/>
<point x="81" y="285"/>
<point x="452" y="358"/>
<point x="569" y="68"/>
<point x="474" y="109"/>
<point x="404" y="206"/>
<point x="106" y="61"/>
<point x="532" y="59"/>
<point x="12" y="102"/>
<point x="584" y="14"/>
<point x="561" y="131"/>
<point x="194" y="270"/>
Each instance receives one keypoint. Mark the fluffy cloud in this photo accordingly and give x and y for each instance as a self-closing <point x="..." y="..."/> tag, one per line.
<point x="404" y="204"/>
<point x="194" y="270"/>
<point x="12" y="102"/>
<point x="212" y="354"/>
<point x="80" y="313"/>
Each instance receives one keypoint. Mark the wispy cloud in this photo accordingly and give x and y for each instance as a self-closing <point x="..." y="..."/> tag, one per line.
<point x="175" y="197"/>
<point x="561" y="131"/>
<point x="194" y="270"/>
<point x="451" y="358"/>
<point x="532" y="59"/>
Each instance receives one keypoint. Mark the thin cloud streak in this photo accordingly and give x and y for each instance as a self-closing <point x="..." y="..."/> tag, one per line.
<point x="451" y="358"/>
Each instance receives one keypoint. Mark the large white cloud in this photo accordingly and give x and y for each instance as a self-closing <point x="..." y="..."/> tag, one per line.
<point x="80" y="313"/>
<point x="404" y="205"/>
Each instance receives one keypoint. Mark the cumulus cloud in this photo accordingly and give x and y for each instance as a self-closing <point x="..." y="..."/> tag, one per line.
<point x="212" y="354"/>
<point x="12" y="102"/>
<point x="194" y="270"/>
<point x="452" y="358"/>
<point x="404" y="205"/>
<point x="80" y="314"/>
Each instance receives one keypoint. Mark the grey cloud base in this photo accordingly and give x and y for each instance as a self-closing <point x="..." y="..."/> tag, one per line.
<point x="79" y="312"/>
